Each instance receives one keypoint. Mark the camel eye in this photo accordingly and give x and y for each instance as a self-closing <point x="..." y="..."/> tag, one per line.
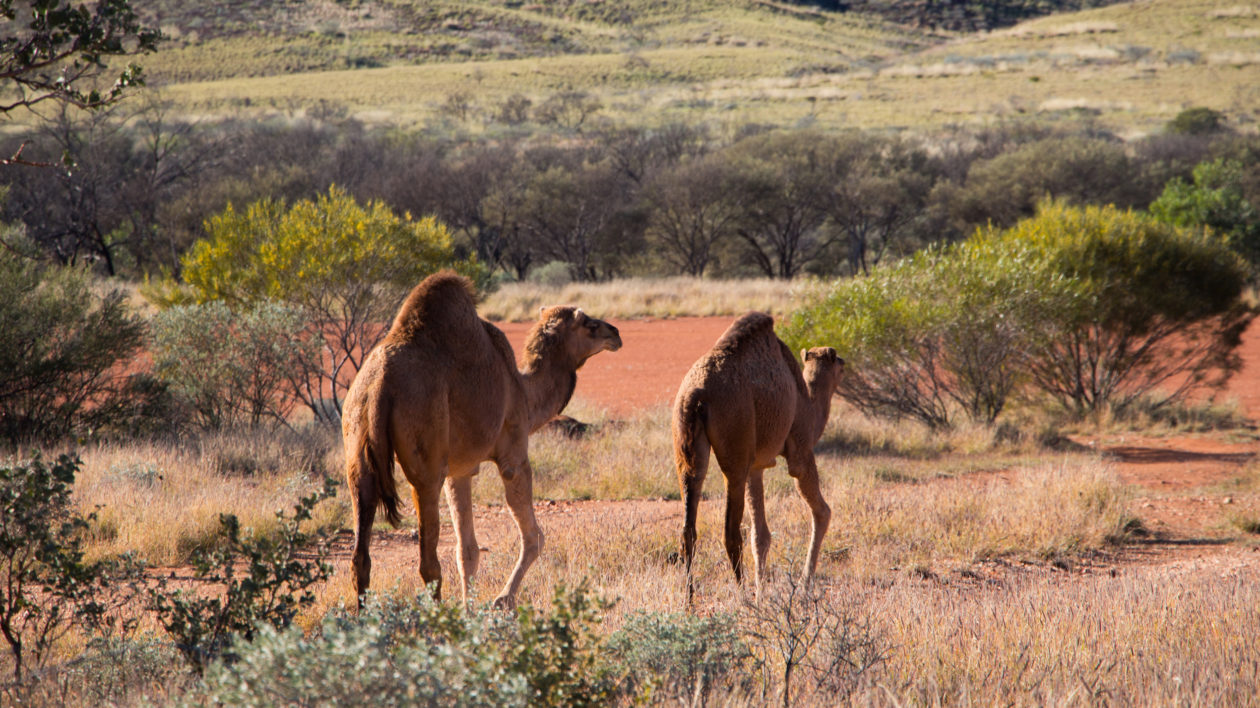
<point x="592" y="326"/>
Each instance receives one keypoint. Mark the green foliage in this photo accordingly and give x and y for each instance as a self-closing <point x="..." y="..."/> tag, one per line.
<point x="558" y="653"/>
<point x="679" y="657"/>
<point x="1158" y="305"/>
<point x="46" y="586"/>
<point x="280" y="570"/>
<point x="232" y="368"/>
<point x="1197" y="121"/>
<point x="1094" y="306"/>
<point x="1010" y="186"/>
<point x="945" y="327"/>
<point x="62" y="349"/>
<point x="344" y="266"/>
<point x="1214" y="200"/>
<point x="54" y="49"/>
<point x="403" y="652"/>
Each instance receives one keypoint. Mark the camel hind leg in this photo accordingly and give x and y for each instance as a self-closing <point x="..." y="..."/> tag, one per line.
<point x="426" y="470"/>
<point x="760" y="529"/>
<point x="363" y="499"/>
<point x="693" y="465"/>
<point x="459" y="500"/>
<point x="804" y="469"/>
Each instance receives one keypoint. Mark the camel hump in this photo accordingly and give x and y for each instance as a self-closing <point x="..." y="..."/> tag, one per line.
<point x="749" y="329"/>
<point x="444" y="302"/>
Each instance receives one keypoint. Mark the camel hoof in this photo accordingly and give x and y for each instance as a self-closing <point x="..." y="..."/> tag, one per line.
<point x="504" y="602"/>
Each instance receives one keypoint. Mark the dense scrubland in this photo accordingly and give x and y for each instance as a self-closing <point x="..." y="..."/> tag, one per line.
<point x="1018" y="232"/>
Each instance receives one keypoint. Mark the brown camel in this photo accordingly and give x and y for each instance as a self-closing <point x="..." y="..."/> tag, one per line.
<point x="442" y="393"/>
<point x="748" y="400"/>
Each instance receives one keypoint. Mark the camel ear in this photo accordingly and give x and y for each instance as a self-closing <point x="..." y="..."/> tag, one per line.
<point x="805" y="355"/>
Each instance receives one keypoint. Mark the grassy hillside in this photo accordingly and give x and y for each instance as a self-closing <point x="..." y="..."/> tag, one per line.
<point x="1129" y="66"/>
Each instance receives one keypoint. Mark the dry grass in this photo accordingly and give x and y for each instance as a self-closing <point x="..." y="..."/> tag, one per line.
<point x="650" y="297"/>
<point x="163" y="500"/>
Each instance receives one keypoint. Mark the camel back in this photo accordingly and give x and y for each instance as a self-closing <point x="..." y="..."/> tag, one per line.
<point x="749" y="333"/>
<point x="442" y="303"/>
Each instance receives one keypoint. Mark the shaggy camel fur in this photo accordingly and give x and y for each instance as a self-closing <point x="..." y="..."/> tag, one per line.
<point x="442" y="393"/>
<point x="748" y="401"/>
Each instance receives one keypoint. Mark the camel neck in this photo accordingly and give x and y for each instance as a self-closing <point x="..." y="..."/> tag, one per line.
<point x="548" y="387"/>
<point x="819" y="406"/>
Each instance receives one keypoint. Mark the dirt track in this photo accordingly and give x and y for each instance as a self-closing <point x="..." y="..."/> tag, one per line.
<point x="1165" y="472"/>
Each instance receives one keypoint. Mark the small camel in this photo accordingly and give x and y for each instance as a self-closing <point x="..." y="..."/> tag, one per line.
<point x="442" y="393"/>
<point x="748" y="401"/>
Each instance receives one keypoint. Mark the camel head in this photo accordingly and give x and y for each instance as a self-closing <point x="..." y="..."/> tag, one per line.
<point x="579" y="335"/>
<point x="822" y="368"/>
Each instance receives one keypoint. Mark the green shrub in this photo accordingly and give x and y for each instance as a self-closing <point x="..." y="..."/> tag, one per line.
<point x="62" y="355"/>
<point x="1214" y="200"/>
<point x="344" y="266"/>
<point x="232" y="368"/>
<point x="280" y="569"/>
<point x="1159" y="305"/>
<point x="1095" y="307"/>
<point x="940" y="330"/>
<point x="679" y="657"/>
<point x="1198" y="120"/>
<point x="47" y="588"/>
<point x="402" y="652"/>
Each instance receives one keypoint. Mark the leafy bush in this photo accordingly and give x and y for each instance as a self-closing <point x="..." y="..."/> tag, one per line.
<point x="1094" y="306"/>
<point x="1198" y="120"/>
<point x="280" y="570"/>
<point x="944" y="328"/>
<point x="679" y="657"/>
<point x="62" y="350"/>
<point x="403" y="652"/>
<point x="1214" y="200"/>
<point x="46" y="586"/>
<point x="232" y="368"/>
<point x="344" y="266"/>
<point x="1159" y="305"/>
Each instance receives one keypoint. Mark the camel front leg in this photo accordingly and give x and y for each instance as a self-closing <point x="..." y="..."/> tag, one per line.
<point x="459" y="500"/>
<point x="805" y="470"/>
<point x="760" y="529"/>
<point x="518" y="488"/>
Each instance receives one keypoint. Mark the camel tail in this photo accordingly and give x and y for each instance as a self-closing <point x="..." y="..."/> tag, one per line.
<point x="691" y="443"/>
<point x="375" y="459"/>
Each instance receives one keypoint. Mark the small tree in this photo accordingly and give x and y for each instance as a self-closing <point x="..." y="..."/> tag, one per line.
<point x="1159" y="305"/>
<point x="279" y="571"/>
<point x="230" y="368"/>
<point x="1198" y="120"/>
<point x="944" y="329"/>
<point x="50" y="49"/>
<point x="344" y="266"/>
<point x="62" y="349"/>
<point x="692" y="208"/>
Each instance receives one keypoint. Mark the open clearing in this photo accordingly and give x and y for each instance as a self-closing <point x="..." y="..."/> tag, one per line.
<point x="1180" y="485"/>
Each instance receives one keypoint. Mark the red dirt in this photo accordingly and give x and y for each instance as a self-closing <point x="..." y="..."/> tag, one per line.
<point x="646" y="371"/>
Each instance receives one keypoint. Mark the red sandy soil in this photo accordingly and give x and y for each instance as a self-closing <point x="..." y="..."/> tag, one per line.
<point x="1175" y="481"/>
